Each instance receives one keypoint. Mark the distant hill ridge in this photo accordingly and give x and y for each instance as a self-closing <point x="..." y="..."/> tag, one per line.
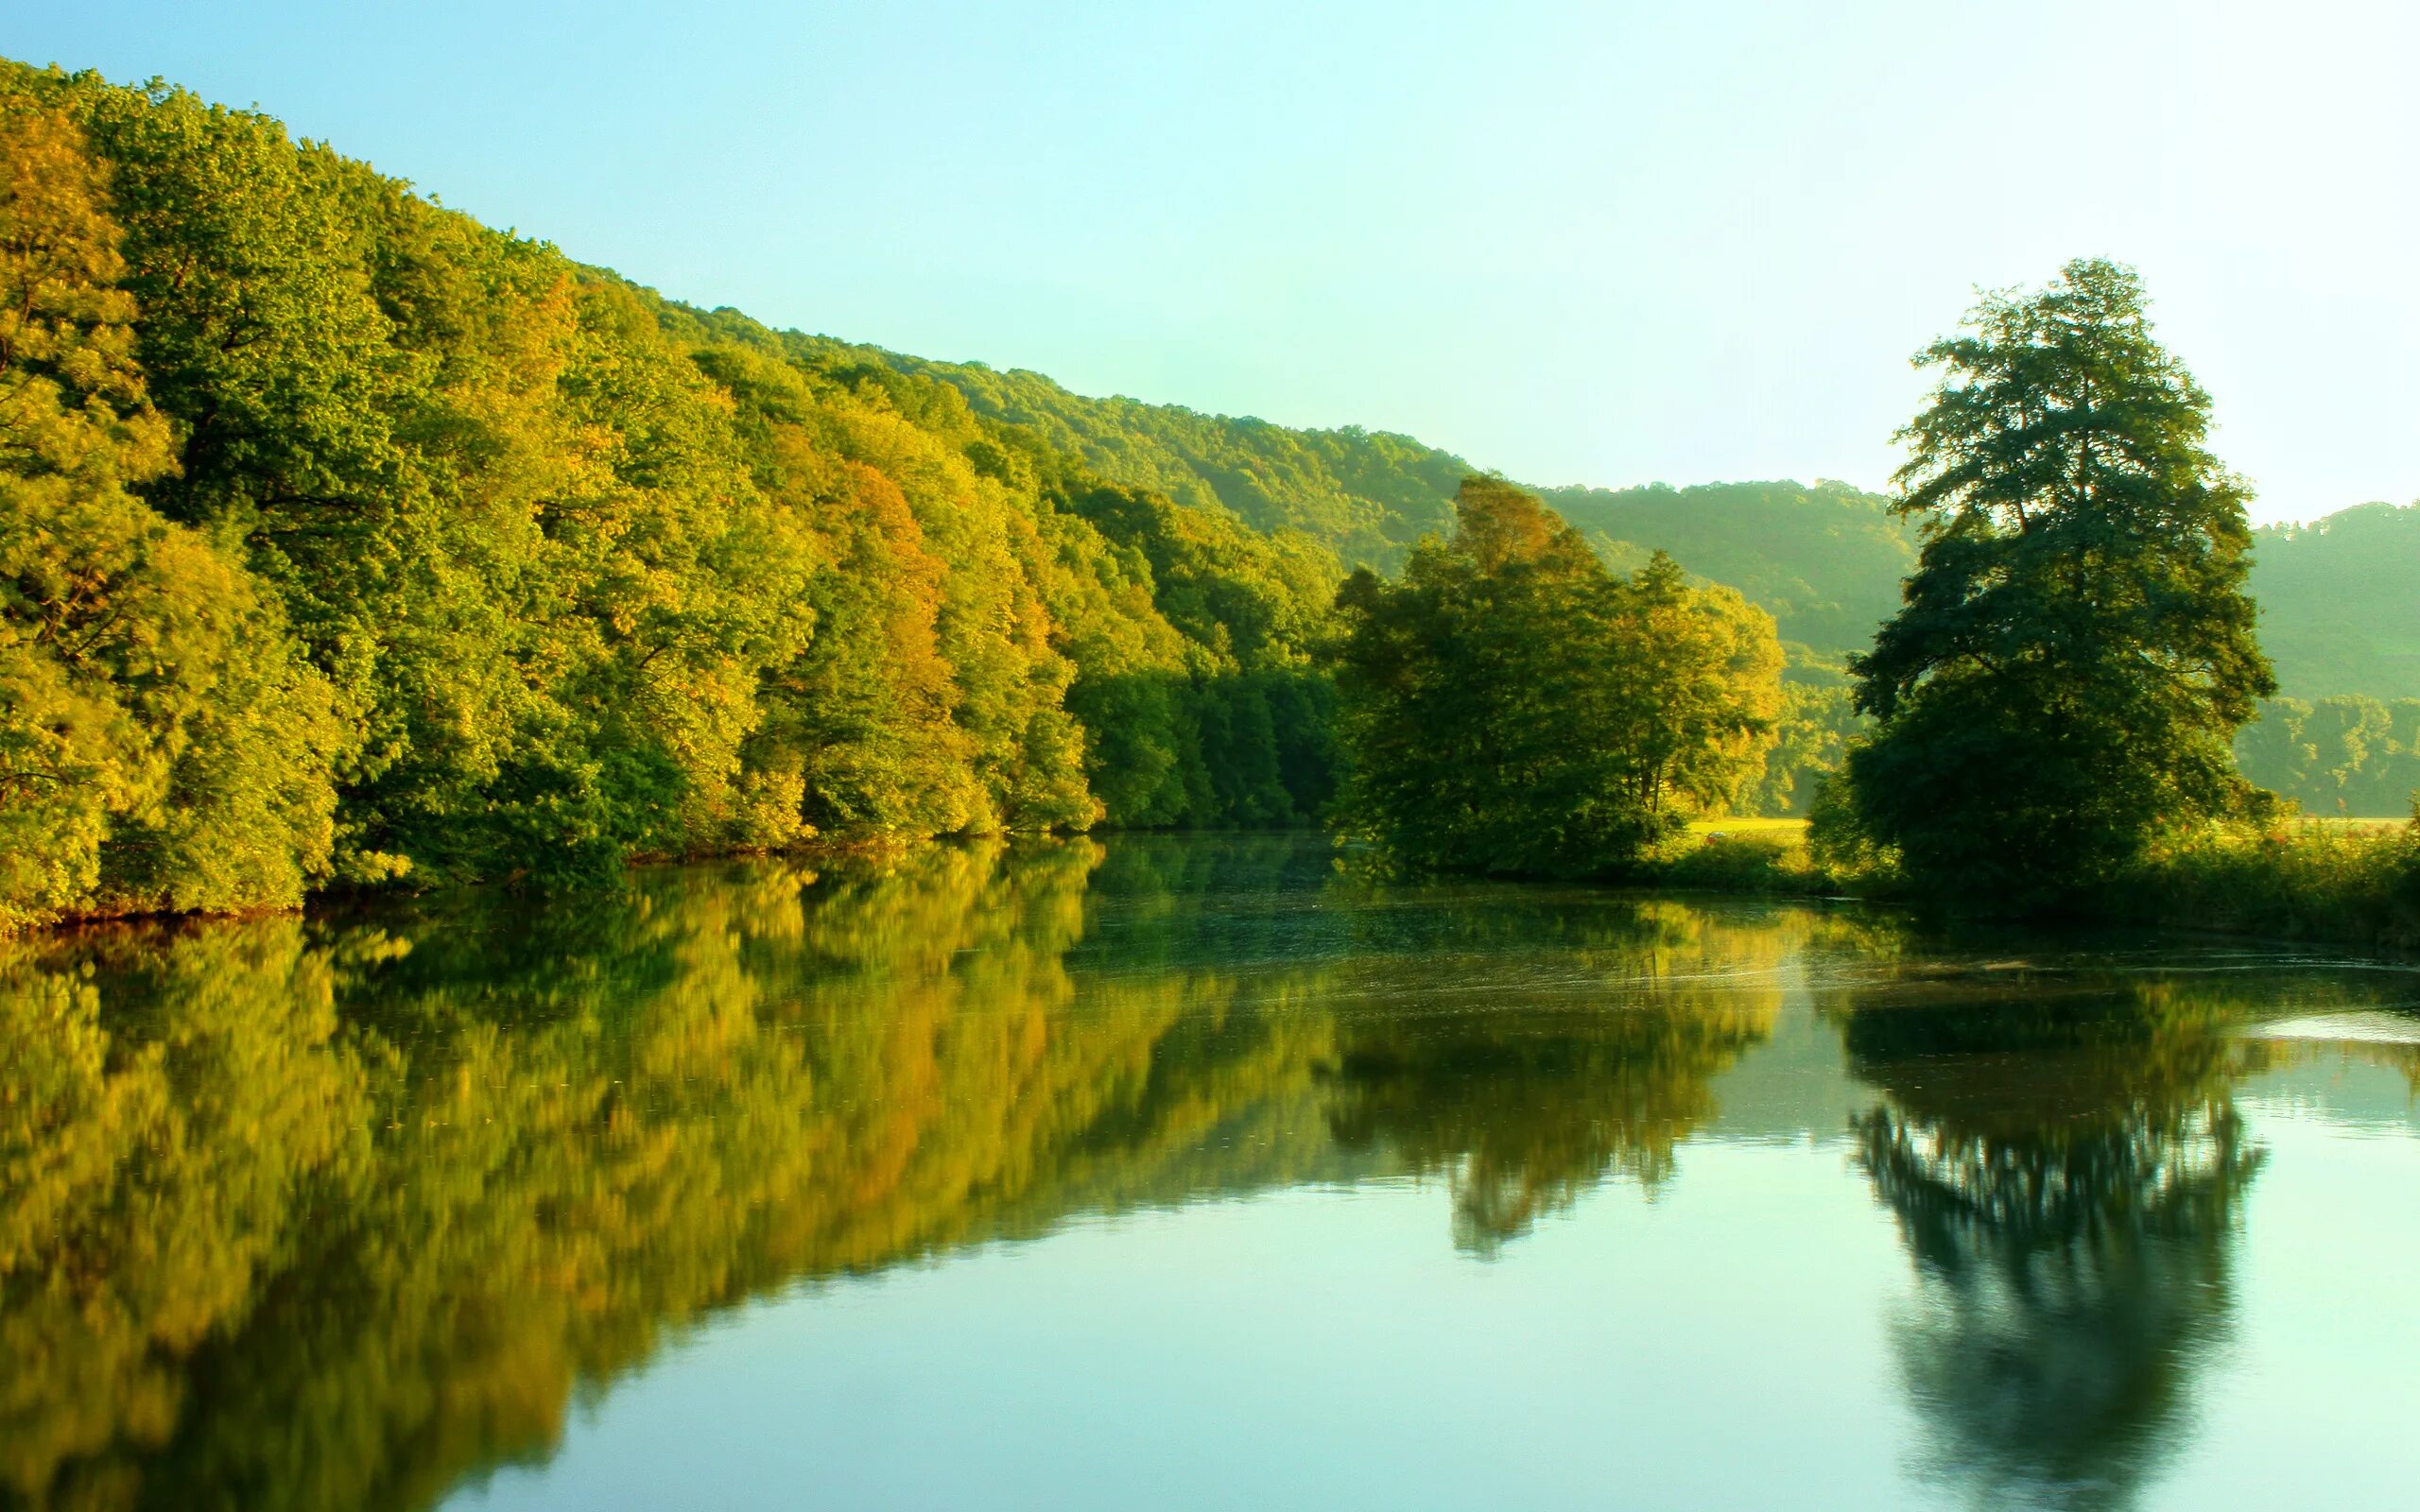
<point x="2340" y="613"/>
<point x="1826" y="559"/>
<point x="2340" y="601"/>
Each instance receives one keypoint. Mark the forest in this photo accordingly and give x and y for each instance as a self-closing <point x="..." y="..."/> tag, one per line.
<point x="350" y="542"/>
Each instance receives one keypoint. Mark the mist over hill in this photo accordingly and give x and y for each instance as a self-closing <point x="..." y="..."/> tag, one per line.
<point x="2340" y="601"/>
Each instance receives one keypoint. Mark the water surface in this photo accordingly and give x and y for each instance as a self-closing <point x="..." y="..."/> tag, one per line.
<point x="1188" y="1174"/>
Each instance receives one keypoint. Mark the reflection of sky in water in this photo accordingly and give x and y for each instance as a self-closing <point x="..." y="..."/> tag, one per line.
<point x="1726" y="1345"/>
<point x="1185" y="1175"/>
<point x="2375" y="1026"/>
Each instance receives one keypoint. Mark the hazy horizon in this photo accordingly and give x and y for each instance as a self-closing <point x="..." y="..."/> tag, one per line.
<point x="1578" y="245"/>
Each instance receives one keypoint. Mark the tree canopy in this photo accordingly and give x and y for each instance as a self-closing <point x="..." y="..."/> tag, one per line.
<point x="348" y="540"/>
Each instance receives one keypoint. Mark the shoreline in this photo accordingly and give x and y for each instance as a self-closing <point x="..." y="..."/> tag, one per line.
<point x="2354" y="884"/>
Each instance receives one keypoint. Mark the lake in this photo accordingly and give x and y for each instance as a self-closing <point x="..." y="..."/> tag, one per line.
<point x="1191" y="1173"/>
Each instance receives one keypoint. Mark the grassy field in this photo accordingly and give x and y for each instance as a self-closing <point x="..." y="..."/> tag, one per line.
<point x="2357" y="880"/>
<point x="1710" y="827"/>
<point x="1741" y="855"/>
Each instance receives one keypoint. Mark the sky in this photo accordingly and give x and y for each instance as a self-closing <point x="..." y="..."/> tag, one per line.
<point x="1599" y="242"/>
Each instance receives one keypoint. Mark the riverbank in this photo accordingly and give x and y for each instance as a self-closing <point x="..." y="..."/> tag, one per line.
<point x="2343" y="882"/>
<point x="2353" y="883"/>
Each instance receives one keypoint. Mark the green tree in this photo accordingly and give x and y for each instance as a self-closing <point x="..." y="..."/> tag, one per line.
<point x="2076" y="648"/>
<point x="1704" y="669"/>
<point x="1510" y="706"/>
<point x="1818" y="720"/>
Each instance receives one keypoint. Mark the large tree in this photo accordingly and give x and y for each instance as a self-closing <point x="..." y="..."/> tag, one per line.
<point x="2076" y="649"/>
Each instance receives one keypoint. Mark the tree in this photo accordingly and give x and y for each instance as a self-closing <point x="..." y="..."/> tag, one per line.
<point x="1510" y="706"/>
<point x="1704" y="673"/>
<point x="2075" y="649"/>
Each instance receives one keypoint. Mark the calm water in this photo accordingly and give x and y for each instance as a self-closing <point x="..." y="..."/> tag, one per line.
<point x="1182" y="1174"/>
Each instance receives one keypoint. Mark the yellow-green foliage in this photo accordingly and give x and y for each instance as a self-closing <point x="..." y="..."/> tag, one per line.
<point x="1759" y="860"/>
<point x="2312" y="879"/>
<point x="346" y="539"/>
<point x="160" y="746"/>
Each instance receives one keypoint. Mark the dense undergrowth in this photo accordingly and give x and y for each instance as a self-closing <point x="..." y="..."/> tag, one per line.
<point x="2313" y="880"/>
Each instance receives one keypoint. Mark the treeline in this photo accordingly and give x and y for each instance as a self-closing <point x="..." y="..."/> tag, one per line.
<point x="2347" y="756"/>
<point x="345" y="539"/>
<point x="1367" y="495"/>
<point x="2049" y="723"/>
<point x="1823" y="558"/>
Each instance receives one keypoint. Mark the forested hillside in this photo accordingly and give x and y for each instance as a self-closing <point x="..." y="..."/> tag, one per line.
<point x="1824" y="560"/>
<point x="2340" y="602"/>
<point x="1367" y="495"/>
<point x="2339" y="616"/>
<point x="350" y="541"/>
<point x="343" y="538"/>
<point x="2346" y="755"/>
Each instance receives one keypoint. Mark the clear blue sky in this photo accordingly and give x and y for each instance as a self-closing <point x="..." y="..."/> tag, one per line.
<point x="1579" y="243"/>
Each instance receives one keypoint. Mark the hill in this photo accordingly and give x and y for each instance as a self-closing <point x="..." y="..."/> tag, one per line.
<point x="2338" y="616"/>
<point x="345" y="539"/>
<point x="2340" y="602"/>
<point x="1823" y="558"/>
<point x="1367" y="495"/>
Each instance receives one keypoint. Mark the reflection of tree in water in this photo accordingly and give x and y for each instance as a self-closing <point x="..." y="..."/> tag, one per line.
<point x="149" y="1161"/>
<point x="330" y="1215"/>
<point x="2066" y="1170"/>
<point x="1601" y="1072"/>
